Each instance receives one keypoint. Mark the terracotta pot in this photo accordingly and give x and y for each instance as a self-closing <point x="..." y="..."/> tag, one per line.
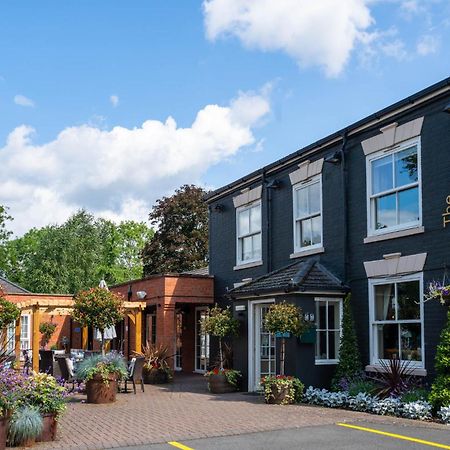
<point x="3" y="432"/>
<point x="27" y="443"/>
<point x="155" y="376"/>
<point x="99" y="392"/>
<point x="279" y="394"/>
<point x="218" y="384"/>
<point x="50" y="428"/>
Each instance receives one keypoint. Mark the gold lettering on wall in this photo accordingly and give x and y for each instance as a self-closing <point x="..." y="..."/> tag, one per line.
<point x="446" y="215"/>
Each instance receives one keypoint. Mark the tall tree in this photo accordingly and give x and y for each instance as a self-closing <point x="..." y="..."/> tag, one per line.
<point x="4" y="233"/>
<point x="76" y="254"/>
<point x="181" y="240"/>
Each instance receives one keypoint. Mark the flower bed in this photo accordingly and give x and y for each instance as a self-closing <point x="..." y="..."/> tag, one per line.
<point x="392" y="406"/>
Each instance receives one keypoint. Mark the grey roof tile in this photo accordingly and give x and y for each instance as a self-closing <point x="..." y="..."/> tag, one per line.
<point x="11" y="288"/>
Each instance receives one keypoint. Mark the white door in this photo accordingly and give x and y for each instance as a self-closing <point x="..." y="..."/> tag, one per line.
<point x="201" y="342"/>
<point x="178" y="341"/>
<point x="264" y="363"/>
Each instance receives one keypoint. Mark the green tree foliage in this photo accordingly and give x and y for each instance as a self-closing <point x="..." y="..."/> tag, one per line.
<point x="220" y="323"/>
<point x="9" y="313"/>
<point x="181" y="240"/>
<point x="349" y="365"/>
<point x="76" y="254"/>
<point x="440" y="390"/>
<point x="285" y="318"/>
<point x="4" y="233"/>
<point x="98" y="308"/>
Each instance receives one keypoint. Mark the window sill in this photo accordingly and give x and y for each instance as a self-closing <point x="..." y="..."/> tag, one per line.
<point x="248" y="265"/>
<point x="312" y="251"/>
<point x="394" y="235"/>
<point x="419" y="371"/>
<point x="326" y="362"/>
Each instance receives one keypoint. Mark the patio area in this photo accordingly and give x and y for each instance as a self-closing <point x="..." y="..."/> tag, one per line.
<point x="185" y="410"/>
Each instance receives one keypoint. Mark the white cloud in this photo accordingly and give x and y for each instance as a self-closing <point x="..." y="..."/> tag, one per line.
<point x="395" y="49"/>
<point x="427" y="45"/>
<point x="114" y="99"/>
<point x="120" y="172"/>
<point x="21" y="100"/>
<point x="314" y="33"/>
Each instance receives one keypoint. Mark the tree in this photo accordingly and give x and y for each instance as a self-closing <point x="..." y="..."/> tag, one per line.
<point x="440" y="390"/>
<point x="181" y="240"/>
<point x="220" y="323"/>
<point x="77" y="254"/>
<point x="285" y="318"/>
<point x="349" y="365"/>
<point x="9" y="313"/>
<point x="98" y="308"/>
<point x="4" y="233"/>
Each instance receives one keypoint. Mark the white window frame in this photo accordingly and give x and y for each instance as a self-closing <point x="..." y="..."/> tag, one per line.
<point x="28" y="328"/>
<point x="199" y="309"/>
<point x="371" y="226"/>
<point x="321" y="362"/>
<point x="11" y="337"/>
<point x="374" y="360"/>
<point x="295" y="188"/>
<point x="239" y="261"/>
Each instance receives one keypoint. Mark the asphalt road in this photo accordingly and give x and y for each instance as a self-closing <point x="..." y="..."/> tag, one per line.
<point x="334" y="437"/>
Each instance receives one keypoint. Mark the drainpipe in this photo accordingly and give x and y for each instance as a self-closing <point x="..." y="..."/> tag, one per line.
<point x="344" y="174"/>
<point x="267" y="202"/>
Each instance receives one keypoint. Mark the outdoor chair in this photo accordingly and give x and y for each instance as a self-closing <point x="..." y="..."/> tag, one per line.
<point x="28" y="363"/>
<point x="67" y="371"/>
<point x="135" y="373"/>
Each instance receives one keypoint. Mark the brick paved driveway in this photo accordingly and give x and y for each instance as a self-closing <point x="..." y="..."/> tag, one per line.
<point x="185" y="410"/>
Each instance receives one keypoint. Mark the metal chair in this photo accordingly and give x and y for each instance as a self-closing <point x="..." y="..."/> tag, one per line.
<point x="67" y="371"/>
<point x="135" y="373"/>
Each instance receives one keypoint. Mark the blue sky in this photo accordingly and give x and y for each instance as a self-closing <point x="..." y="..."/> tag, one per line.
<point x="243" y="85"/>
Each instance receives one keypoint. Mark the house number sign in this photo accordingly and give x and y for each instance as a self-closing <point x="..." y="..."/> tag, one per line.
<point x="446" y="215"/>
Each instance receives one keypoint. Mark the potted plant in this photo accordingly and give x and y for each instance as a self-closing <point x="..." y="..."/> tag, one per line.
<point x="47" y="329"/>
<point x="156" y="367"/>
<point x="438" y="291"/>
<point x="98" y="308"/>
<point x="4" y="419"/>
<point x="101" y="374"/>
<point x="43" y="392"/>
<point x="283" y="319"/>
<point x="25" y="426"/>
<point x="220" y="323"/>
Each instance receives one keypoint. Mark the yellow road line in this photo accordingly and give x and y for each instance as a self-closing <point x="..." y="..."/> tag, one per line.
<point x="184" y="447"/>
<point x="396" y="436"/>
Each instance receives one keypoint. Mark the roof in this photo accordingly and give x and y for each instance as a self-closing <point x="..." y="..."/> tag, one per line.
<point x="201" y="271"/>
<point x="9" y="287"/>
<point x="374" y="119"/>
<point x="302" y="276"/>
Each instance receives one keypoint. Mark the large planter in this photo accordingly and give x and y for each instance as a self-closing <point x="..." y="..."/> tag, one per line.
<point x="3" y="432"/>
<point x="99" y="392"/>
<point x="155" y="376"/>
<point x="279" y="395"/>
<point x="218" y="384"/>
<point x="49" y="429"/>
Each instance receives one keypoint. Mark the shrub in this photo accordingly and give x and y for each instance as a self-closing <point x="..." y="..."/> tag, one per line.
<point x="231" y="375"/>
<point x="361" y="385"/>
<point x="220" y="323"/>
<point x="349" y="365"/>
<point x="362" y="402"/>
<point x="26" y="424"/>
<point x="285" y="318"/>
<point x="389" y="406"/>
<point x="104" y="366"/>
<point x="9" y="312"/>
<point x="276" y="383"/>
<point x="444" y="414"/>
<point x="156" y="357"/>
<point x="419" y="410"/>
<point x="440" y="389"/>
<point x="394" y="378"/>
<point x="415" y="395"/>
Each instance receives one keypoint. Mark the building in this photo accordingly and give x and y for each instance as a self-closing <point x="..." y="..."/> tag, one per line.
<point x="365" y="210"/>
<point x="174" y="306"/>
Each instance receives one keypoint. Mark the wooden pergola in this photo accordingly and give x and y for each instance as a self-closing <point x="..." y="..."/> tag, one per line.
<point x="64" y="306"/>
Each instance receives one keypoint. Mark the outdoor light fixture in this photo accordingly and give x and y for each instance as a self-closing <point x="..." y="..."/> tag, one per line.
<point x="309" y="317"/>
<point x="141" y="295"/>
<point x="447" y="109"/>
<point x="130" y="292"/>
<point x="336" y="158"/>
<point x="273" y="184"/>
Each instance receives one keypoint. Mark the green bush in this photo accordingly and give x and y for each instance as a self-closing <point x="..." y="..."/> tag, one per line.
<point x="361" y="386"/>
<point x="415" y="395"/>
<point x="349" y="365"/>
<point x="440" y="390"/>
<point x="104" y="366"/>
<point x="9" y="312"/>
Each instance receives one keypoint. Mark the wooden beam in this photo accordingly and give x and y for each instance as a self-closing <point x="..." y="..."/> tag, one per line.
<point x="84" y="338"/>
<point x="36" y="338"/>
<point x="138" y="332"/>
<point x="17" y="334"/>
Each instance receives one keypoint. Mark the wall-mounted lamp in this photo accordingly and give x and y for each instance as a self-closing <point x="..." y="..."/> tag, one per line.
<point x="219" y="208"/>
<point x="141" y="295"/>
<point x="335" y="158"/>
<point x="130" y="292"/>
<point x="447" y="109"/>
<point x="273" y="184"/>
<point x="309" y="317"/>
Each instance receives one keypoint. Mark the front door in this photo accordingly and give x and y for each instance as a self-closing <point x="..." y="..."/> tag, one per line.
<point x="263" y="346"/>
<point x="201" y="341"/>
<point x="178" y="341"/>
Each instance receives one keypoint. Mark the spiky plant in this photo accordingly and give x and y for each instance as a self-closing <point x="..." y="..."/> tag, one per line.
<point x="26" y="425"/>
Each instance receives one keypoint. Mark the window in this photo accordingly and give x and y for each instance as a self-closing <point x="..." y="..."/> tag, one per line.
<point x="328" y="329"/>
<point x="307" y="215"/>
<point x="397" y="319"/>
<point x="248" y="220"/>
<point x="11" y="337"/>
<point x="25" y="343"/>
<point x="150" y="332"/>
<point x="201" y="341"/>
<point x="394" y="189"/>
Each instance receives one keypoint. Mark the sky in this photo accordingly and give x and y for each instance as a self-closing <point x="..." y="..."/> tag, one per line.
<point x="108" y="105"/>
